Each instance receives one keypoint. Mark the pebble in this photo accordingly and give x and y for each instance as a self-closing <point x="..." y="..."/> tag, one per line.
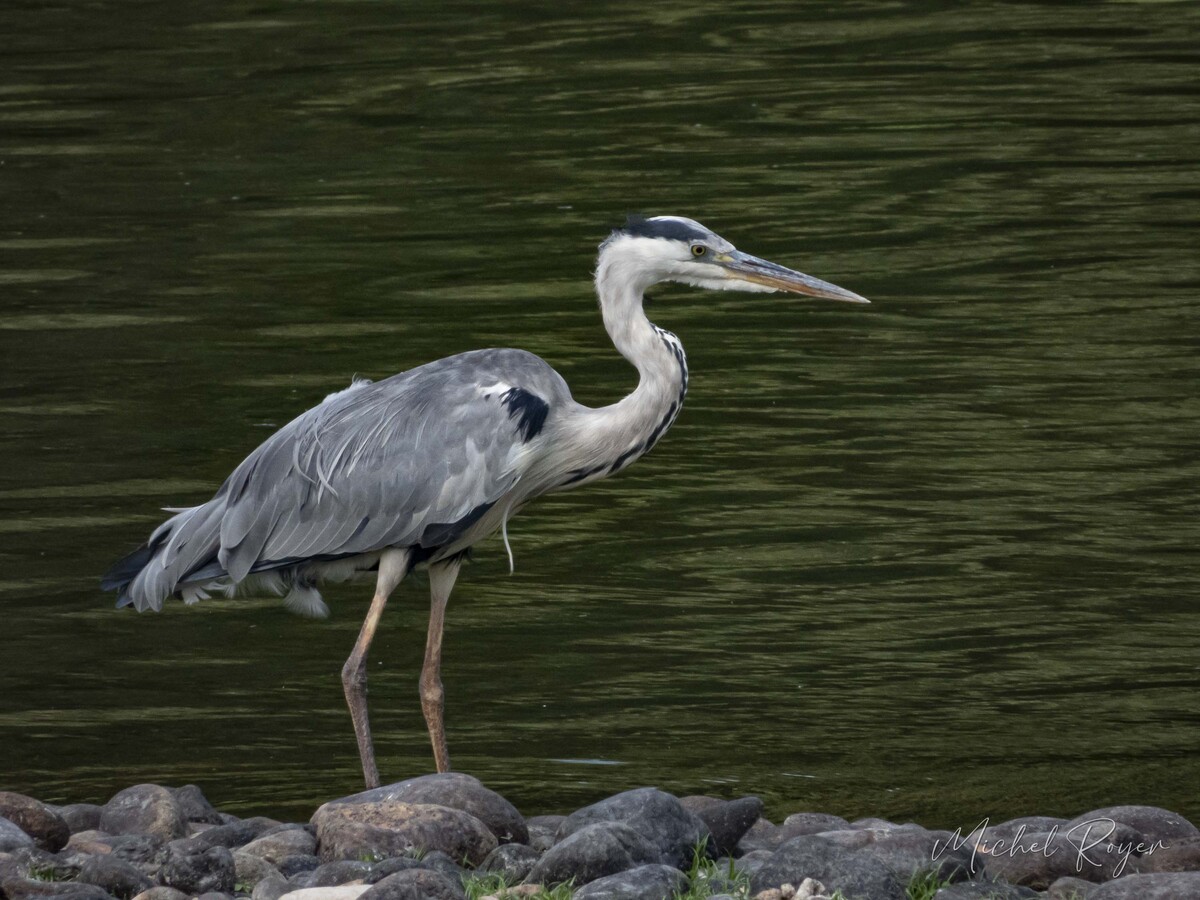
<point x="420" y="839"/>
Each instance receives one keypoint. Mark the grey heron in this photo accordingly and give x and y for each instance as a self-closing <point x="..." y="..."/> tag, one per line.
<point x="417" y="468"/>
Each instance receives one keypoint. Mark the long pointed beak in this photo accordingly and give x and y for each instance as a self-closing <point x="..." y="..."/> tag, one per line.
<point x="760" y="271"/>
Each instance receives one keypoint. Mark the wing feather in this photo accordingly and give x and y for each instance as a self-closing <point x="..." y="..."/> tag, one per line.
<point x="391" y="463"/>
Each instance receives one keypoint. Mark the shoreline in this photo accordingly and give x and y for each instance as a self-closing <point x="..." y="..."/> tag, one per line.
<point x="448" y="837"/>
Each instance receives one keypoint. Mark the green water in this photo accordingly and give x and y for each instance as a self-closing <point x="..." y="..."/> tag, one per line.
<point x="932" y="559"/>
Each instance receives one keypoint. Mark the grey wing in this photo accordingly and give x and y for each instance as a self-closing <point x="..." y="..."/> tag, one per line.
<point x="409" y="461"/>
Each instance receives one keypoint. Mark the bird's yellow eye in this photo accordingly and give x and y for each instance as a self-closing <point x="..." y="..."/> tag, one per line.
<point x="699" y="249"/>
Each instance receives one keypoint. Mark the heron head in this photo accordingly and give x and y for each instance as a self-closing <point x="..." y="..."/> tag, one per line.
<point x="672" y="248"/>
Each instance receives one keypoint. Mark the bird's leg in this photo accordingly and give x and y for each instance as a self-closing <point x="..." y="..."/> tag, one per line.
<point x="393" y="565"/>
<point x="441" y="582"/>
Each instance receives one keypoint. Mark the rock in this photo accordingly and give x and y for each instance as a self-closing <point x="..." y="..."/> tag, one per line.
<point x="1156" y="886"/>
<point x="275" y="846"/>
<point x="911" y="850"/>
<point x="513" y="861"/>
<point x="81" y="816"/>
<point x="727" y="820"/>
<point x="437" y="861"/>
<point x="214" y="895"/>
<point x="984" y="890"/>
<point x="159" y="892"/>
<point x="195" y="805"/>
<point x="415" y="884"/>
<point x="198" y="873"/>
<point x="654" y="814"/>
<point x="340" y="872"/>
<point x="13" y="837"/>
<point x="47" y="828"/>
<point x="1152" y="822"/>
<point x="139" y="849"/>
<point x="762" y="835"/>
<point x="1011" y="828"/>
<point x="592" y="852"/>
<point x="345" y="892"/>
<point x="1069" y="889"/>
<point x="1182" y="856"/>
<point x="456" y="791"/>
<point x="117" y="877"/>
<point x="1038" y="860"/>
<point x="855" y="873"/>
<point x="384" y="868"/>
<point x="653" y="882"/>
<point x="24" y="889"/>
<point x="293" y="866"/>
<point x="272" y="888"/>
<point x="393" y="828"/>
<point x="237" y="834"/>
<point x="871" y="822"/>
<point x="543" y="830"/>
<point x="249" y="870"/>
<point x="144" y="809"/>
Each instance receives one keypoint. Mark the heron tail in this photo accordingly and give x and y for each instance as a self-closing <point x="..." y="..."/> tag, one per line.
<point x="179" y="546"/>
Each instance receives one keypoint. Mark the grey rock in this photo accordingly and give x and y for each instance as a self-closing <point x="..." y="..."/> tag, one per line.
<point x="199" y="873"/>
<point x="513" y="861"/>
<point x="415" y="884"/>
<point x="1038" y="860"/>
<point x="855" y="873"/>
<point x="543" y="830"/>
<point x="195" y="805"/>
<point x="117" y="877"/>
<point x="870" y="822"/>
<point x="1155" y="886"/>
<point x="24" y="889"/>
<point x="909" y="851"/>
<point x="272" y="888"/>
<point x="984" y="890"/>
<point x="1177" y="856"/>
<point x="762" y="835"/>
<point x="384" y="868"/>
<point x="1152" y="822"/>
<point x="657" y="816"/>
<point x="81" y="816"/>
<point x="249" y="870"/>
<point x="53" y="867"/>
<point x="592" y="852"/>
<point x="160" y="892"/>
<point x="143" y="850"/>
<point x="233" y="835"/>
<point x="1022" y="825"/>
<point x="47" y="828"/>
<point x="751" y="862"/>
<point x="653" y="882"/>
<point x="727" y="820"/>
<point x="1069" y="889"/>
<point x="341" y="872"/>
<point x="12" y="836"/>
<point x="388" y="828"/>
<point x="456" y="791"/>
<point x="214" y="895"/>
<point x="278" y="844"/>
<point x="144" y="809"/>
<point x="437" y="861"/>
<point x="293" y="866"/>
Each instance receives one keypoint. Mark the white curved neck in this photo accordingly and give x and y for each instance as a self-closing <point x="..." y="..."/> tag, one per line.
<point x="606" y="440"/>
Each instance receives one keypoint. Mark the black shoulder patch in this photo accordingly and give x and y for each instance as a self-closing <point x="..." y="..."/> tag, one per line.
<point x="439" y="534"/>
<point x="672" y="229"/>
<point x="528" y="409"/>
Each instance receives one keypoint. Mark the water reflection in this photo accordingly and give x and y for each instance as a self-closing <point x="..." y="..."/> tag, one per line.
<point x="933" y="559"/>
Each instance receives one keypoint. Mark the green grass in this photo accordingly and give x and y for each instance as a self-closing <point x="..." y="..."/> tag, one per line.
<point x="480" y="885"/>
<point x="707" y="879"/>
